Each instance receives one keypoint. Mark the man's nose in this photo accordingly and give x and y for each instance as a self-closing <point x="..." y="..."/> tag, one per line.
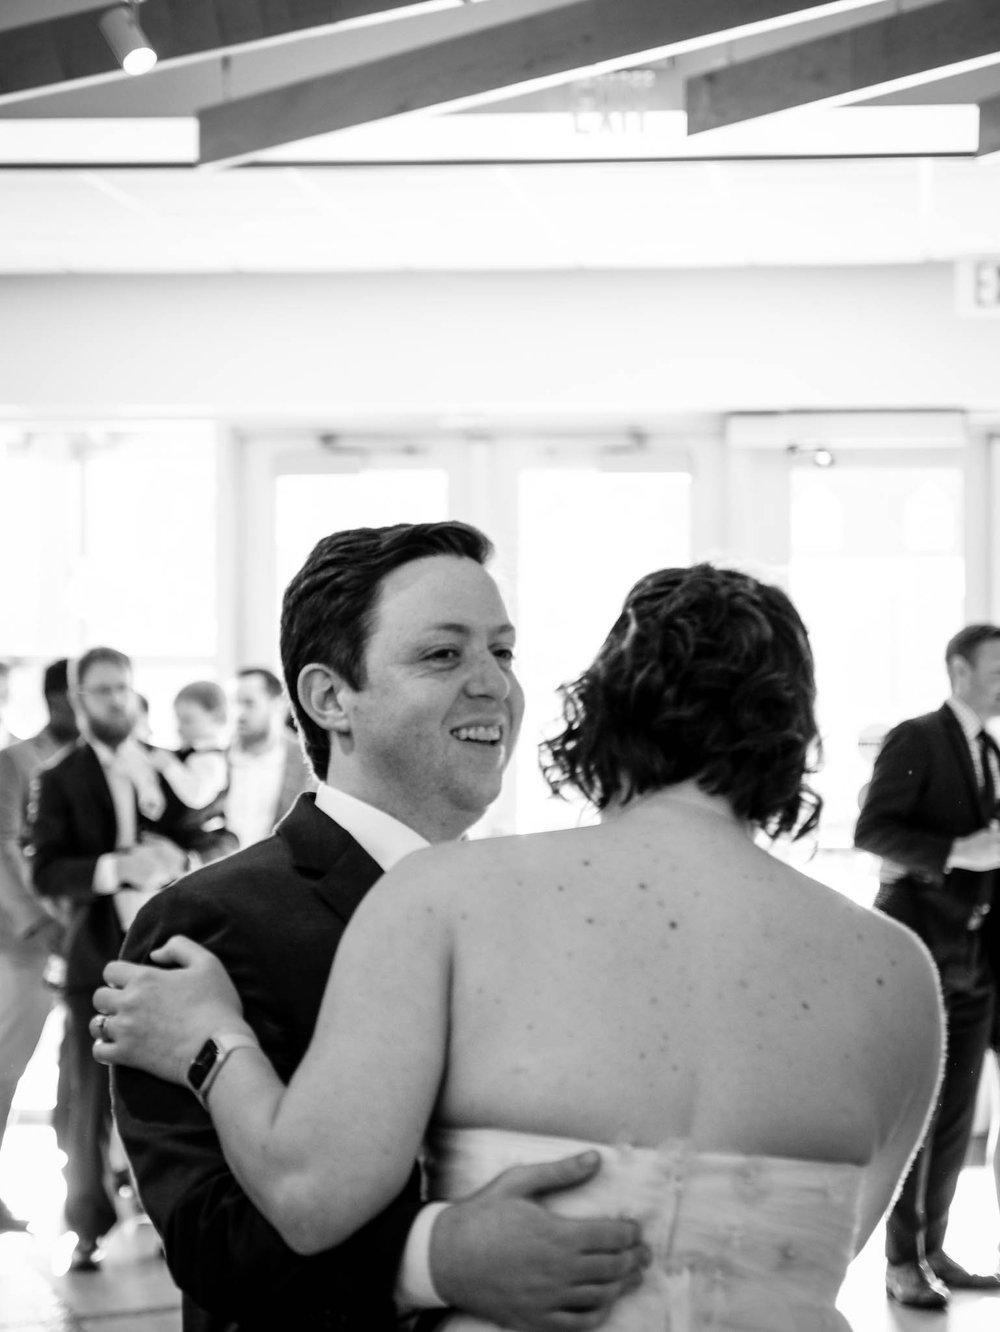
<point x="488" y="678"/>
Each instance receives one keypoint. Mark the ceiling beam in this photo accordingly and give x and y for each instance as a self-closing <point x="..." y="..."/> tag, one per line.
<point x="989" y="126"/>
<point x="69" y="47"/>
<point x="506" y="59"/>
<point x="919" y="46"/>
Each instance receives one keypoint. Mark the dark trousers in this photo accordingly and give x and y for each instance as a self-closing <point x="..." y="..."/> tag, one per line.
<point x="916" y="1225"/>
<point x="90" y="1208"/>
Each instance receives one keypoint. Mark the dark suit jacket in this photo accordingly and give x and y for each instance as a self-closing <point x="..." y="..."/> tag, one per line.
<point x="923" y="794"/>
<point x="75" y="824"/>
<point x="274" y="914"/>
<point x="296" y="777"/>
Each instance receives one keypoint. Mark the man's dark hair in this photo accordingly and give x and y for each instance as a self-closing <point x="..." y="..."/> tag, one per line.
<point x="99" y="656"/>
<point x="328" y="610"/>
<point x="967" y="642"/>
<point x="272" y="685"/>
<point x="707" y="674"/>
<point x="205" y="694"/>
<point x="55" y="681"/>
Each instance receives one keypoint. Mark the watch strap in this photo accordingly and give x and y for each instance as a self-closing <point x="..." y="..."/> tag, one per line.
<point x="225" y="1043"/>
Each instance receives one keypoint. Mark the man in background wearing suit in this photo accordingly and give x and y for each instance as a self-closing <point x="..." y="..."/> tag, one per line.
<point x="29" y="933"/>
<point x="266" y="768"/>
<point x="397" y="656"/>
<point x="930" y="813"/>
<point x="108" y="831"/>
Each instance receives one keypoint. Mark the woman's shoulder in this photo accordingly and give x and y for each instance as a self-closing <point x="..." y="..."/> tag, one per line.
<point x="882" y="958"/>
<point x="483" y="864"/>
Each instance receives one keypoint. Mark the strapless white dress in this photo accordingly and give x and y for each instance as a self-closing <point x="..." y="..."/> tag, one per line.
<point x="739" y="1243"/>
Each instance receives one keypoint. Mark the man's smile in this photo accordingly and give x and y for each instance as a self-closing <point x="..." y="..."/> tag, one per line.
<point x="481" y="735"/>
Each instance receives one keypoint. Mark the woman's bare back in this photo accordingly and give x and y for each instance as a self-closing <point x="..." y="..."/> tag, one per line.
<point x="660" y="977"/>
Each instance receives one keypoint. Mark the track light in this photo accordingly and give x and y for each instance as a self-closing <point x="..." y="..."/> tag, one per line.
<point x="820" y="455"/>
<point x="125" y="36"/>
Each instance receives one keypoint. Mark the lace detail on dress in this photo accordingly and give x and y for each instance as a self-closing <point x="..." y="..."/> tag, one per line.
<point x="739" y="1243"/>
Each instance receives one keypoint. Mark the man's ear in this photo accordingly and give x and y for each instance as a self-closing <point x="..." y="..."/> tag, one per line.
<point x="321" y="694"/>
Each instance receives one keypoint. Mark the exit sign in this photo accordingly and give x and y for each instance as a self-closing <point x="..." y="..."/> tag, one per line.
<point x="978" y="286"/>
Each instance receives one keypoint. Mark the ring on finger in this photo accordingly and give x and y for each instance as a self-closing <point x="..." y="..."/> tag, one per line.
<point x="102" y="1022"/>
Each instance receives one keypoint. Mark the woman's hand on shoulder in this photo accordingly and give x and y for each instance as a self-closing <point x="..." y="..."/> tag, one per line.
<point x="156" y="1018"/>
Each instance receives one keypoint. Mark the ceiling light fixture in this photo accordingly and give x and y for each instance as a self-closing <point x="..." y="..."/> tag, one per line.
<point x="123" y="33"/>
<point x="818" y="454"/>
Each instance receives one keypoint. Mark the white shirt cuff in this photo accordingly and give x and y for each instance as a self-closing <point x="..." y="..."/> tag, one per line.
<point x="106" y="880"/>
<point x="414" y="1285"/>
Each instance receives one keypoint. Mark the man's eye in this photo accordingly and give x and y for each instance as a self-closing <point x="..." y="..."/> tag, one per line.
<point x="505" y="654"/>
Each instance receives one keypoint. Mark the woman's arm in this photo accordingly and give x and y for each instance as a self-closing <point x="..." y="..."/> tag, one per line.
<point x="910" y="1076"/>
<point x="324" y="1155"/>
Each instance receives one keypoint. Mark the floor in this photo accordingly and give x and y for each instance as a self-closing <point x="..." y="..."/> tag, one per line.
<point x="133" y="1292"/>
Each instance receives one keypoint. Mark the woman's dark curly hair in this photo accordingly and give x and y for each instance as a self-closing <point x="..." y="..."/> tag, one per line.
<point x="706" y="674"/>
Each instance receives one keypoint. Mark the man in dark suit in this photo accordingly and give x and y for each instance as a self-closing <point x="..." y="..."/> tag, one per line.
<point x="107" y="833"/>
<point x="930" y="813"/>
<point x="408" y="713"/>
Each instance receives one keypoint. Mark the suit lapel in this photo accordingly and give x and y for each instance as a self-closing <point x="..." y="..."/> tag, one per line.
<point x="95" y="783"/>
<point x="960" y="749"/>
<point x="339" y="870"/>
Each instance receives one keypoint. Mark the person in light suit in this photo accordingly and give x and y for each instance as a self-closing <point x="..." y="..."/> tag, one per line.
<point x="29" y="933"/>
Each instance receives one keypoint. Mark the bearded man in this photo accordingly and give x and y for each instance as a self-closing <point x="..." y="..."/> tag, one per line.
<point x="108" y="833"/>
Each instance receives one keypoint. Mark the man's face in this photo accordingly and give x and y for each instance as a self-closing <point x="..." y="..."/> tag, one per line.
<point x="434" y="725"/>
<point x="257" y="713"/>
<point x="195" y="723"/>
<point x="108" y="702"/>
<point x="978" y="681"/>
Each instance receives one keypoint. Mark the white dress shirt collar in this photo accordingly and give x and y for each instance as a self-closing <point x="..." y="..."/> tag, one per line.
<point x="969" y="720"/>
<point x="385" y="839"/>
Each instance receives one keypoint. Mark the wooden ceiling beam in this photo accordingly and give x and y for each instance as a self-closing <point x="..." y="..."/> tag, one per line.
<point x="503" y="60"/>
<point x="989" y="126"/>
<point x="69" y="48"/>
<point x="910" y="48"/>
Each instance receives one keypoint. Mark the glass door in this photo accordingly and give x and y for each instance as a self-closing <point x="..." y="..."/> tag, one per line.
<point x="873" y="544"/>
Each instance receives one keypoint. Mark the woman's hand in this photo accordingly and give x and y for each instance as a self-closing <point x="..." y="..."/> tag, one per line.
<point x="156" y="1018"/>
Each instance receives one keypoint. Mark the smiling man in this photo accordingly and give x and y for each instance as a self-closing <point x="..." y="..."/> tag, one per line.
<point x="397" y="651"/>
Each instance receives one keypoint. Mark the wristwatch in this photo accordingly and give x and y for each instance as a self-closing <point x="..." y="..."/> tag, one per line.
<point x="204" y="1067"/>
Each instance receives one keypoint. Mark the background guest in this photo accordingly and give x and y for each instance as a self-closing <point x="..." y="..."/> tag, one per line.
<point x="266" y="767"/>
<point x="29" y="933"/>
<point x="5" y="736"/>
<point x="198" y="774"/>
<point x="107" y="834"/>
<point x="929" y="813"/>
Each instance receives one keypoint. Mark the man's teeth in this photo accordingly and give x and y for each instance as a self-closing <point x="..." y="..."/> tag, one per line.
<point x="489" y="735"/>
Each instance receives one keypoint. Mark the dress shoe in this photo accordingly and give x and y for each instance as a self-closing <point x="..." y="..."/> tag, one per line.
<point x="8" y="1221"/>
<point x="916" y="1285"/>
<point x="956" y="1277"/>
<point x="85" y="1257"/>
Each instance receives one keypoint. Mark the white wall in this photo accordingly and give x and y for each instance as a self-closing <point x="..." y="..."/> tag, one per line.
<point x="623" y="345"/>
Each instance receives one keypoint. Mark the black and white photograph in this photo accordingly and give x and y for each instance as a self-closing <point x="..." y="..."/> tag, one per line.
<point x="499" y="666"/>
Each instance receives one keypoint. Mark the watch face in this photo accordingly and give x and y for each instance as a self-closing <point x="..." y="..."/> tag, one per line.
<point x="201" y="1065"/>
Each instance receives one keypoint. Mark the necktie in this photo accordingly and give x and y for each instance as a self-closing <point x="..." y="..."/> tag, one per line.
<point x="988" y="794"/>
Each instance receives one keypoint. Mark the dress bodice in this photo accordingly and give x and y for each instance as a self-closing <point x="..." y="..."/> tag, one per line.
<point x="739" y="1243"/>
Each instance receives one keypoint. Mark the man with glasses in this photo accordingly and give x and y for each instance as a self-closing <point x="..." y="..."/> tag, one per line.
<point x="108" y="834"/>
